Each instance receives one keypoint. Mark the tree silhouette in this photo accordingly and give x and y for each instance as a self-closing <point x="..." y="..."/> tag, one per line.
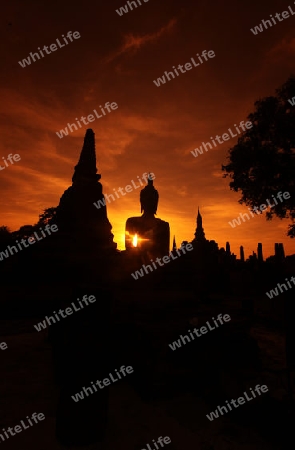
<point x="47" y="216"/>
<point x="5" y="236"/>
<point x="263" y="161"/>
<point x="24" y="232"/>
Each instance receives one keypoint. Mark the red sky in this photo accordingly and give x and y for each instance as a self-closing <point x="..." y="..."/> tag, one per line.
<point x="155" y="128"/>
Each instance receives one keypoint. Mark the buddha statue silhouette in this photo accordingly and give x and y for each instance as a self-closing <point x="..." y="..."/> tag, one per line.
<point x="147" y="233"/>
<point x="149" y="198"/>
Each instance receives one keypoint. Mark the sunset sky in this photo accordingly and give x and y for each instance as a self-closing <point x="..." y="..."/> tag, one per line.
<point x="154" y="128"/>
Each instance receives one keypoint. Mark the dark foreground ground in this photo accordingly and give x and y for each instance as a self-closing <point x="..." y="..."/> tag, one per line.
<point x="172" y="392"/>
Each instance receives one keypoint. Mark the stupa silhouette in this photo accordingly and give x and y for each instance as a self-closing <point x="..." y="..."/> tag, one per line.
<point x="77" y="218"/>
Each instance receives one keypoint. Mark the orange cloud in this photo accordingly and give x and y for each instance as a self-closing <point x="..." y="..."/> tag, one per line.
<point x="133" y="43"/>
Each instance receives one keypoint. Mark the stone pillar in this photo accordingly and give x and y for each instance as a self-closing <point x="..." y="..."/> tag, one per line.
<point x="259" y="252"/>
<point x="282" y="251"/>
<point x="242" y="256"/>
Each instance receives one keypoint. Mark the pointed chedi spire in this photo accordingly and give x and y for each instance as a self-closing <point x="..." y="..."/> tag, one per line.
<point x="199" y="234"/>
<point x="174" y="246"/>
<point x="86" y="169"/>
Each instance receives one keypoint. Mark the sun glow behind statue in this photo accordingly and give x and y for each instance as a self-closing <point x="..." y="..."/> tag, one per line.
<point x="135" y="240"/>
